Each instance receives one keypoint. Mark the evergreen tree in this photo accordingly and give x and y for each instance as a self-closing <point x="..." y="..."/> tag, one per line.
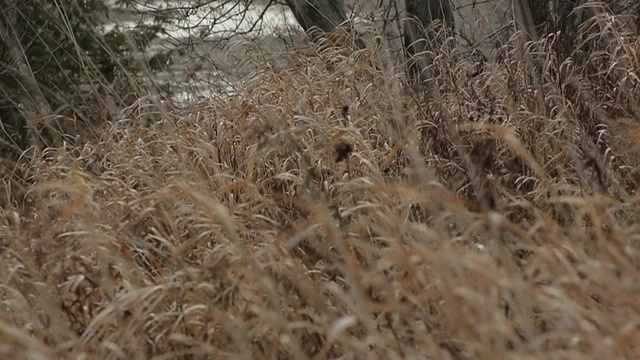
<point x="56" y="61"/>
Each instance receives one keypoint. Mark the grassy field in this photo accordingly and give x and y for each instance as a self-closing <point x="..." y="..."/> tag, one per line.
<point x="341" y="215"/>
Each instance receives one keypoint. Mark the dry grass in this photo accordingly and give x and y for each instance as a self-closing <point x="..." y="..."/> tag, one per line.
<point x="494" y="218"/>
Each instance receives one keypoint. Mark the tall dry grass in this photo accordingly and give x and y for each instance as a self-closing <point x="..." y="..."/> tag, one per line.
<point x="335" y="215"/>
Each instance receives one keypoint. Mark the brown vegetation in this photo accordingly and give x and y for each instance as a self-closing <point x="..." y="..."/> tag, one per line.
<point x="331" y="215"/>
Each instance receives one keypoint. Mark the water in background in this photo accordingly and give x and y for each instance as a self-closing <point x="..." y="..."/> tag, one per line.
<point x="205" y="64"/>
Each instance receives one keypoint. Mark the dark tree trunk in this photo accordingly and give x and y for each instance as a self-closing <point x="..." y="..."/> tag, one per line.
<point x="318" y="17"/>
<point x="428" y="10"/>
<point x="540" y="15"/>
<point x="420" y="14"/>
<point x="560" y="20"/>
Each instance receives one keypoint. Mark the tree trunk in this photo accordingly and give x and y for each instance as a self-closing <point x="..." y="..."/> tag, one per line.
<point x="536" y="19"/>
<point x="524" y="15"/>
<point x="318" y="17"/>
<point x="540" y="15"/>
<point x="428" y="10"/>
<point x="417" y="40"/>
